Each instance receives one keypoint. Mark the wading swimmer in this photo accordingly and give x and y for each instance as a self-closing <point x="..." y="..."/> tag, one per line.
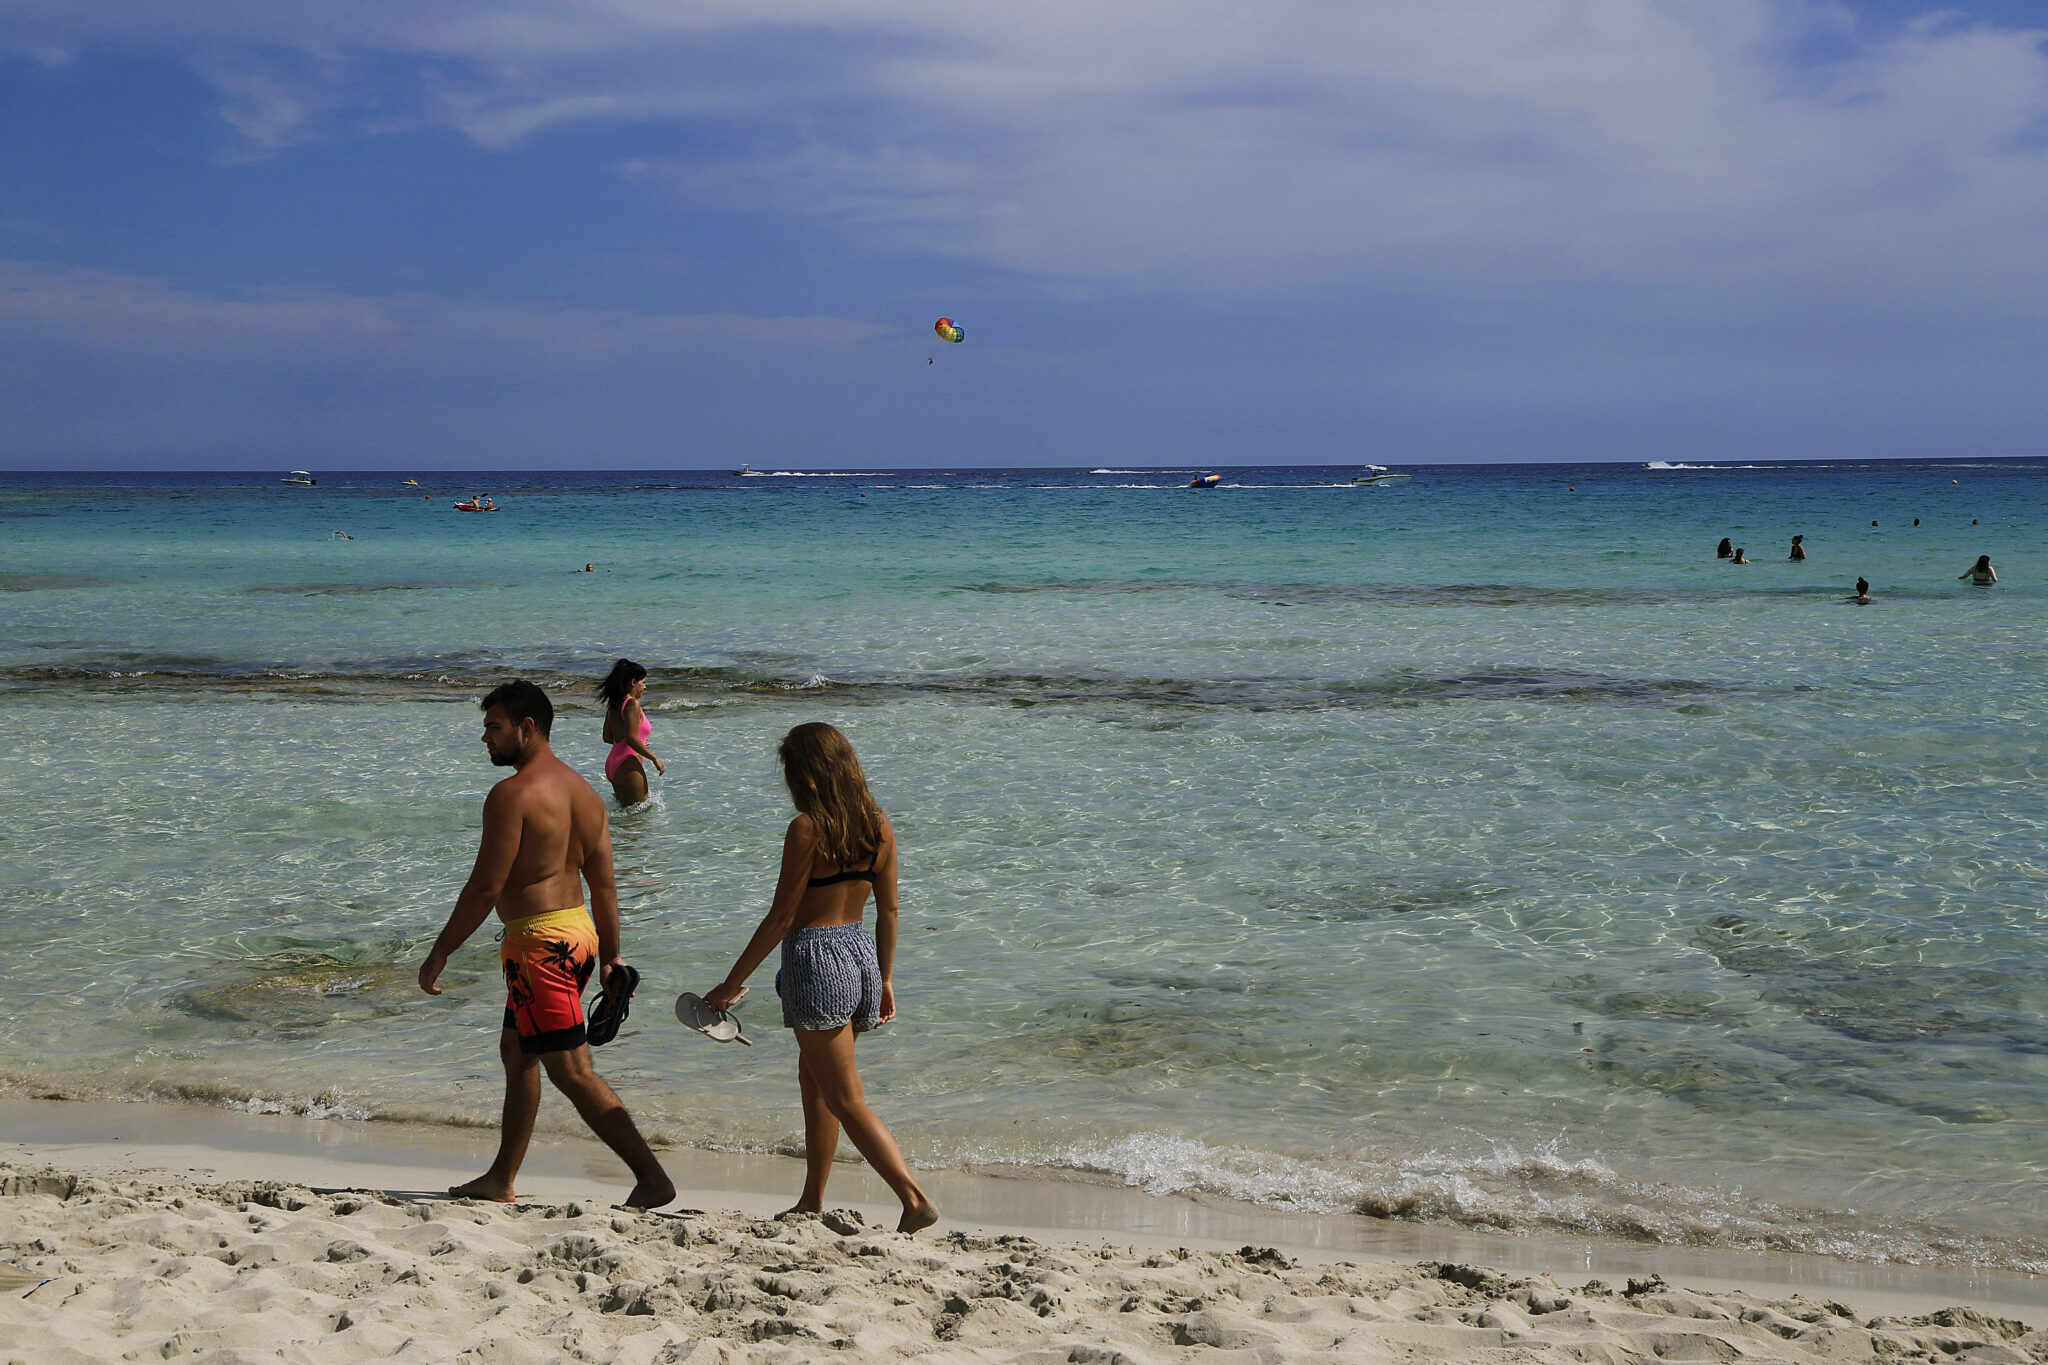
<point x="1798" y="549"/>
<point x="1725" y="550"/>
<point x="544" y="835"/>
<point x="1862" y="591"/>
<point x="627" y="730"/>
<point x="835" y="982"/>
<point x="1981" y="573"/>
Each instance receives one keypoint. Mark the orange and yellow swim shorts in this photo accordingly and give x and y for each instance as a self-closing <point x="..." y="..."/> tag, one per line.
<point x="548" y="960"/>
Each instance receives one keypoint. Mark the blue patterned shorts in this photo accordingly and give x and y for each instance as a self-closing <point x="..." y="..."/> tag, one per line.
<point x="829" y="979"/>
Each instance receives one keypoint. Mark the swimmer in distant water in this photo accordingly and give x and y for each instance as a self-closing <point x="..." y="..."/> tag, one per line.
<point x="588" y="568"/>
<point x="1725" y="550"/>
<point x="1798" y="554"/>
<point x="344" y="535"/>
<point x="627" y="730"/>
<point x="1862" y="591"/>
<point x="1740" y="558"/>
<point x="1981" y="573"/>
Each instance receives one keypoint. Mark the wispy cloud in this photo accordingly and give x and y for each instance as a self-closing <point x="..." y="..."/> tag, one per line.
<point x="1743" y="141"/>
<point x="122" y="313"/>
<point x="97" y="364"/>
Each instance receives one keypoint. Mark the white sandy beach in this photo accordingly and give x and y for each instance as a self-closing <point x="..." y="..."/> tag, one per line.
<point x="151" y="1247"/>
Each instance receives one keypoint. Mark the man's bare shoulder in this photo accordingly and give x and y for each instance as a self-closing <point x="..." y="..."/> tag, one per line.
<point x="549" y="782"/>
<point x="567" y="785"/>
<point x="507" y="794"/>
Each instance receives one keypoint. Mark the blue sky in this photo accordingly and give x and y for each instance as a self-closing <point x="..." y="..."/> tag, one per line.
<point x="632" y="233"/>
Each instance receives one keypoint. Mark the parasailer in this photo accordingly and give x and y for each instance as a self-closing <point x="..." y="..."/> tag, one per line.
<point x="947" y="331"/>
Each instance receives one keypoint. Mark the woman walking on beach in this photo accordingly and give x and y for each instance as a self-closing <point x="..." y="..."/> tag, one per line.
<point x="835" y="982"/>
<point x="627" y="730"/>
<point x="1981" y="573"/>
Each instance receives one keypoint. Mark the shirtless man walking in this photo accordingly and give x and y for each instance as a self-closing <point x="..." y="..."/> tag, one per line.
<point x="544" y="834"/>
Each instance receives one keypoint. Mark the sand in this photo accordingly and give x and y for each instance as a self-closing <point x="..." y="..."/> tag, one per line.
<point x="164" y="1231"/>
<point x="150" y="1266"/>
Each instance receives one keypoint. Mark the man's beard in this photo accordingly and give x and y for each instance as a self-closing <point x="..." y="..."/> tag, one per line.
<point x="510" y="760"/>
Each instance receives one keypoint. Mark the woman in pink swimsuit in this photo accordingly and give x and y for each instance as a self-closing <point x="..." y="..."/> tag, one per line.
<point x="627" y="730"/>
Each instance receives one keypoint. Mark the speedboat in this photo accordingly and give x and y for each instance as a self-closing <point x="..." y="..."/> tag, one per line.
<point x="300" y="476"/>
<point x="743" y="471"/>
<point x="1377" y="473"/>
<point x="1205" y="481"/>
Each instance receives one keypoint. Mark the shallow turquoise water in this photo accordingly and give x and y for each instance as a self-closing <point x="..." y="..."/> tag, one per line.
<point x="1477" y="848"/>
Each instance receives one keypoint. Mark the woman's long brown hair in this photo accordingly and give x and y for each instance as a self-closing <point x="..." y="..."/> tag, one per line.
<point x="826" y="783"/>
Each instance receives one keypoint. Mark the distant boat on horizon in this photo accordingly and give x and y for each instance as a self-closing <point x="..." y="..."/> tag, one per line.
<point x="1378" y="473"/>
<point x="743" y="471"/>
<point x="300" y="476"/>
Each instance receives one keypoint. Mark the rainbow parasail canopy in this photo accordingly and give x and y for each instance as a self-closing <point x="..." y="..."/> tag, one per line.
<point x="947" y="331"/>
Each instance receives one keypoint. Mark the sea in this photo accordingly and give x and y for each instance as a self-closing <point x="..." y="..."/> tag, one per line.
<point x="1473" y="849"/>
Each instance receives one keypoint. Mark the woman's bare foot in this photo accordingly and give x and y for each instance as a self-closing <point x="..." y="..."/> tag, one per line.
<point x="918" y="1216"/>
<point x="801" y="1207"/>
<point x="650" y="1194"/>
<point x="483" y="1187"/>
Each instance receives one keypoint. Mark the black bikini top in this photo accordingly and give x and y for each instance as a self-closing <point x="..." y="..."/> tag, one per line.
<point x="838" y="877"/>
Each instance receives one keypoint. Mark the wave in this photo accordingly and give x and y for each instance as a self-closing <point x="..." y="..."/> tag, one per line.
<point x="1543" y="1190"/>
<point x="1661" y="464"/>
<point x="1490" y="1186"/>
<point x="814" y="474"/>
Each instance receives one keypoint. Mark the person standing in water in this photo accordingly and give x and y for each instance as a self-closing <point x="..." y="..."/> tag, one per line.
<point x="1798" y="554"/>
<point x="1725" y="550"/>
<point x="1862" y="591"/>
<point x="1740" y="557"/>
<point x="544" y="836"/>
<point x="627" y="730"/>
<point x="1981" y="573"/>
<point x="835" y="983"/>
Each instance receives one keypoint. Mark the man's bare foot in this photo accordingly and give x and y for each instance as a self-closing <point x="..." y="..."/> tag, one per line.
<point x="483" y="1187"/>
<point x="801" y="1207"/>
<point x="650" y="1194"/>
<point x="918" y="1216"/>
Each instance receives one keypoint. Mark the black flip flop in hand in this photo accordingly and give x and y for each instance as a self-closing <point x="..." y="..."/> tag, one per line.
<point x="608" y="1011"/>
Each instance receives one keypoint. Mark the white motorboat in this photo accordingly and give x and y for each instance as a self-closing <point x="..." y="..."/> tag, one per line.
<point x="1378" y="473"/>
<point x="302" y="477"/>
